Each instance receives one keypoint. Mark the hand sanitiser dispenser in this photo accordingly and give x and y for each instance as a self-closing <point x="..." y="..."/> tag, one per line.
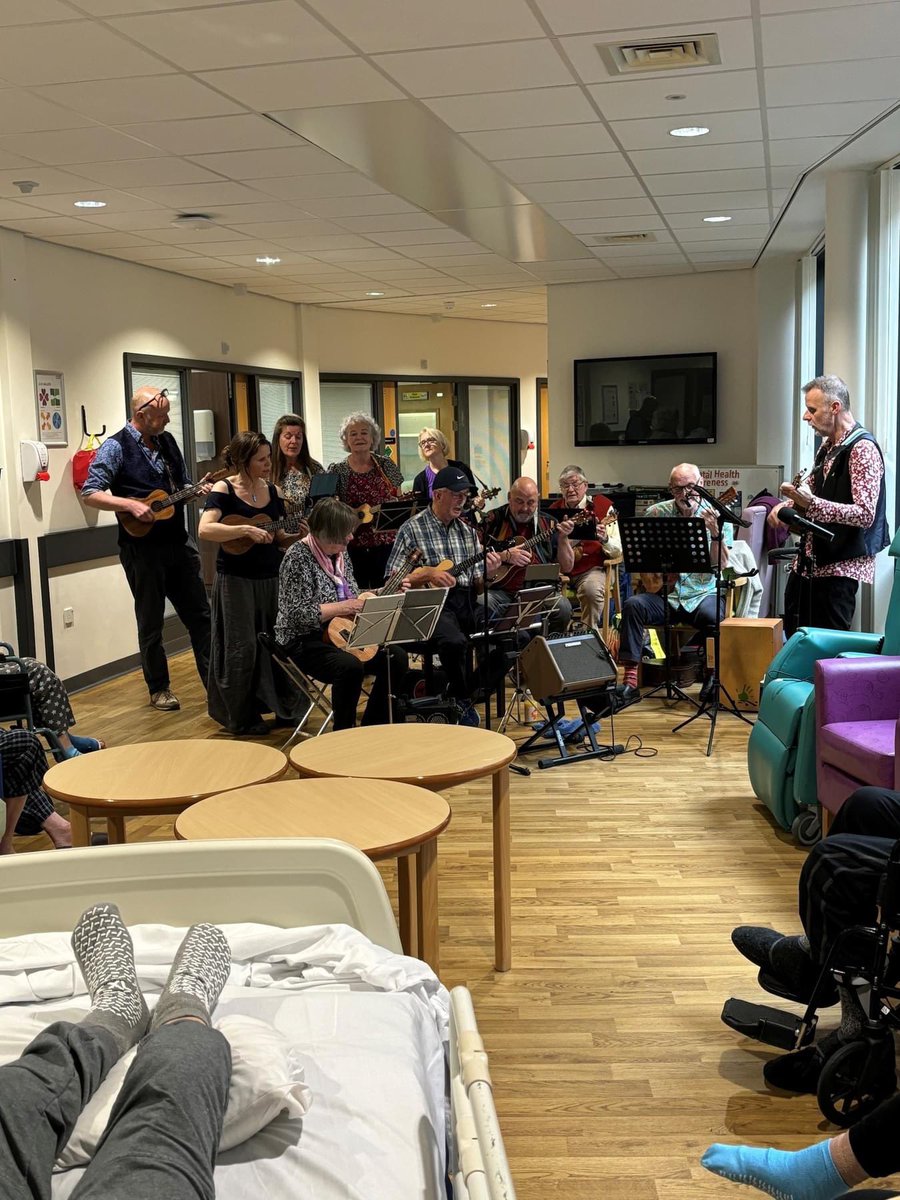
<point x="35" y="460"/>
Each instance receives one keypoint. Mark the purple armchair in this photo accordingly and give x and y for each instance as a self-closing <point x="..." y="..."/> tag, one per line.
<point x="857" y="726"/>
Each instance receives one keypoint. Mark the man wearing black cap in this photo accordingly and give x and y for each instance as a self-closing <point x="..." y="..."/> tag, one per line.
<point x="443" y="537"/>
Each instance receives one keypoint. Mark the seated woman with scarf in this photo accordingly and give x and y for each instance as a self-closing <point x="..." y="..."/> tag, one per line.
<point x="316" y="583"/>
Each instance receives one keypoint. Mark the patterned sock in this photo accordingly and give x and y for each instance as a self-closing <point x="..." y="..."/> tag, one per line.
<point x="629" y="676"/>
<point x="198" y="974"/>
<point x="105" y="955"/>
<point x="808" y="1174"/>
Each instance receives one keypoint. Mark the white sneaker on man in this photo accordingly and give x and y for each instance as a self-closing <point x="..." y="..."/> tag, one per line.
<point x="165" y="700"/>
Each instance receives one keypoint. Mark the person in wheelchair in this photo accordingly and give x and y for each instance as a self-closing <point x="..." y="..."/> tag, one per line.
<point x="838" y="889"/>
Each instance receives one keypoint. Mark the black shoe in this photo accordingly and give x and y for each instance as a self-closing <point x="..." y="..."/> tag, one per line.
<point x="796" y="1072"/>
<point x="627" y="695"/>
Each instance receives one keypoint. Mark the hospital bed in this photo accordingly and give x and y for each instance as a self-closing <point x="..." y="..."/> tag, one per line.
<point x="376" y="1037"/>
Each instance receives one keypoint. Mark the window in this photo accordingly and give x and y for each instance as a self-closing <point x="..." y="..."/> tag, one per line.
<point x="336" y="401"/>
<point x="276" y="397"/>
<point x="171" y="381"/>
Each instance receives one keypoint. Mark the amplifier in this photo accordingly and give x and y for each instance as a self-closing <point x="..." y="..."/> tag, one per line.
<point x="567" y="666"/>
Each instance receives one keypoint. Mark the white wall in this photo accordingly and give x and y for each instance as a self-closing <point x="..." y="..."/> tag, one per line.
<point x="666" y="315"/>
<point x="778" y="400"/>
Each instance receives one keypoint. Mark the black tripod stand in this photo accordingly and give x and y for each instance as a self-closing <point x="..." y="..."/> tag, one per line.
<point x="712" y="704"/>
<point x="662" y="545"/>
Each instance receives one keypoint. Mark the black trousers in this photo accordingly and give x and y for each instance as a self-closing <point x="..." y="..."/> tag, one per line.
<point x="459" y="617"/>
<point x="649" y="609"/>
<point x="369" y="565"/>
<point x="840" y="879"/>
<point x="826" y="603"/>
<point x="345" y="673"/>
<point x="157" y="572"/>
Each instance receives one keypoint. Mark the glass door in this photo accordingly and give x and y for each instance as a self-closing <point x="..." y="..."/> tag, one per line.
<point x="489" y="414"/>
<point x="422" y="405"/>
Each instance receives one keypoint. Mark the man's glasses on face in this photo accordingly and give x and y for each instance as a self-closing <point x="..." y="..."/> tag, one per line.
<point x="163" y="395"/>
<point x="680" y="489"/>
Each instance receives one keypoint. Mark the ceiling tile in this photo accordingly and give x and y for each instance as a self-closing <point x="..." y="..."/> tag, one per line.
<point x="11" y="210"/>
<point x="103" y="239"/>
<point x="261" y="164"/>
<point x="311" y="245"/>
<point x="631" y="224"/>
<point x="64" y="202"/>
<point x="715" y="92"/>
<point x="389" y="221"/>
<point x="576" y="16"/>
<point x="815" y="120"/>
<point x="701" y="158"/>
<point x="150" y="253"/>
<point x="177" y="235"/>
<point x="602" y="209"/>
<point x="499" y="67"/>
<point x="315" y="187"/>
<point x="509" y="110"/>
<point x="51" y="182"/>
<point x="556" y="197"/>
<point x="736" y="47"/>
<point x="200" y="196"/>
<point x="40" y="226"/>
<point x="121" y="101"/>
<point x="375" y="254"/>
<point x="653" y="133"/>
<point x="688" y="183"/>
<point x="22" y="112"/>
<point x="358" y="206"/>
<point x="567" y="166"/>
<point x="875" y="79"/>
<point x="709" y="202"/>
<point x="768" y="7"/>
<point x="72" y="50"/>
<point x="305" y="85"/>
<point x="143" y="172"/>
<point x="234" y="35"/>
<point x="705" y="234"/>
<point x="784" y="177"/>
<point x="739" y="218"/>
<point x="415" y="24"/>
<point x="419" y="237"/>
<point x="30" y="12"/>
<point x="463" y="249"/>
<point x="866" y="31"/>
<point x="95" y="144"/>
<point x="268" y="211"/>
<point x="801" y="151"/>
<point x="299" y="227"/>
<point x="210" y="135"/>
<point x="588" y="138"/>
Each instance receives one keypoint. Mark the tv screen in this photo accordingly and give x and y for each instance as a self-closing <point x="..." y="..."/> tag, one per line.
<point x="660" y="399"/>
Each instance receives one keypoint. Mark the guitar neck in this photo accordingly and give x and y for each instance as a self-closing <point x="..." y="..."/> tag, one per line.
<point x="392" y="583"/>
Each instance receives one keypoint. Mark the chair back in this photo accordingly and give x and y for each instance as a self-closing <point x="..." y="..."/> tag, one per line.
<point x="15" y="692"/>
<point x="892" y="620"/>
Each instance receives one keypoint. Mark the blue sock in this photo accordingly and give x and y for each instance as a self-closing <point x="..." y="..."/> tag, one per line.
<point x="808" y="1174"/>
<point x="71" y="753"/>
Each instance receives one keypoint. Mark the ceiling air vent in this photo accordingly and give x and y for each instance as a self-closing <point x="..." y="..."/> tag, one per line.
<point x="193" y="220"/>
<point x="624" y="239"/>
<point x="660" y="54"/>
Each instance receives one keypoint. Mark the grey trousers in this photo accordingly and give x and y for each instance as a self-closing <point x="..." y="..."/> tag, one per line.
<point x="164" y="1128"/>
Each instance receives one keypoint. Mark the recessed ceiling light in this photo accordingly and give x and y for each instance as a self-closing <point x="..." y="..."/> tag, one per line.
<point x="715" y="220"/>
<point x="266" y="261"/>
<point x="489" y="306"/>
<point x="90" y="204"/>
<point x="374" y="293"/>
<point x="689" y="131"/>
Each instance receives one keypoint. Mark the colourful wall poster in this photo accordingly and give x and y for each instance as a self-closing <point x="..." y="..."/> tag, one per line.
<point x="50" y="399"/>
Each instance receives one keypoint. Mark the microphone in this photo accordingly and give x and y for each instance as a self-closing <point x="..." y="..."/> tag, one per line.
<point x="719" y="507"/>
<point x="798" y="524"/>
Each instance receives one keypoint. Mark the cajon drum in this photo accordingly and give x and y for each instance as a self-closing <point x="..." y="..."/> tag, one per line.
<point x="747" y="647"/>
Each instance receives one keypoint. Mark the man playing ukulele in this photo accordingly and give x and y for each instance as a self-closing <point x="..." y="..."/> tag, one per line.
<point x="131" y="464"/>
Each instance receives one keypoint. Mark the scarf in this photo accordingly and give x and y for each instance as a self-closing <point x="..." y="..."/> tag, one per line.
<point x="333" y="568"/>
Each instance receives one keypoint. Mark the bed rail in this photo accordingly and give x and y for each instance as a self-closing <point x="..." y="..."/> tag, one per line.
<point x="479" y="1169"/>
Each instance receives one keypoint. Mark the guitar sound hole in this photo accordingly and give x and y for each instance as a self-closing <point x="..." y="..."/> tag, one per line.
<point x="345" y="634"/>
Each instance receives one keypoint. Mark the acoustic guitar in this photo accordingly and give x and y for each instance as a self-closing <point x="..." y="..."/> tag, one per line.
<point x="652" y="582"/>
<point x="523" y="543"/>
<point x="162" y="505"/>
<point x="338" y="629"/>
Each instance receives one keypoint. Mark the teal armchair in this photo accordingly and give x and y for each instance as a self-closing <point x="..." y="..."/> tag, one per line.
<point x="781" y="752"/>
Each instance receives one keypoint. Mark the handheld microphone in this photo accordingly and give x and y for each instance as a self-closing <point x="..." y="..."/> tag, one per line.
<point x="720" y="508"/>
<point x="798" y="524"/>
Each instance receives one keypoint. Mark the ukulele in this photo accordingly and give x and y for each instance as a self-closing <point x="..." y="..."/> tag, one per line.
<point x="652" y="581"/>
<point x="338" y="629"/>
<point x="522" y="543"/>
<point x="290" y="523"/>
<point x="162" y="504"/>
<point x="367" y="512"/>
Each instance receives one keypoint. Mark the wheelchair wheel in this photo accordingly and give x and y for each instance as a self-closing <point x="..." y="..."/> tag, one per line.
<point x="843" y="1098"/>
<point x="806" y="827"/>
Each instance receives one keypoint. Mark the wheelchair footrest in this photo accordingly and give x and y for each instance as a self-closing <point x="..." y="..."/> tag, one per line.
<point x="770" y="1025"/>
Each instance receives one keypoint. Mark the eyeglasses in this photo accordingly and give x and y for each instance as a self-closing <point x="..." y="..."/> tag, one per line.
<point x="679" y="489"/>
<point x="569" y="485"/>
<point x="428" y="442"/>
<point x="163" y="395"/>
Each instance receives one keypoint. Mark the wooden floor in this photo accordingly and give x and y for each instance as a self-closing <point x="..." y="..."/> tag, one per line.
<point x="612" y="1070"/>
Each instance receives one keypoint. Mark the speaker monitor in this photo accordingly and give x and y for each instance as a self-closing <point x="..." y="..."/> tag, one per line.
<point x="566" y="666"/>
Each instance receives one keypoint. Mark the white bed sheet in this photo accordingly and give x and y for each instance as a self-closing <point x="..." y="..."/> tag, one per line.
<point x="373" y="1054"/>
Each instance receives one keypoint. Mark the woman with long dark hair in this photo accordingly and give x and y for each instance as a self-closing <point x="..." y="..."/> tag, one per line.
<point x="241" y="685"/>
<point x="293" y="466"/>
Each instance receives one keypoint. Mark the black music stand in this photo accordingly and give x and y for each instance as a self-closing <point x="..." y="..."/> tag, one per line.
<point x="666" y="546"/>
<point x="391" y="514"/>
<point x="393" y="620"/>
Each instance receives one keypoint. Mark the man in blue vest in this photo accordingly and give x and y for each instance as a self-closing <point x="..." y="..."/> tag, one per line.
<point x="845" y="493"/>
<point x="164" y="564"/>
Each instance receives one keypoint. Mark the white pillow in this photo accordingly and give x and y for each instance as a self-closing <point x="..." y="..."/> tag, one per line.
<point x="265" y="1081"/>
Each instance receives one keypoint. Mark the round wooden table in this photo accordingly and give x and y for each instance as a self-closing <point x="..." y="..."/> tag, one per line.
<point x="434" y="757"/>
<point x="381" y="818"/>
<point x="153" y="779"/>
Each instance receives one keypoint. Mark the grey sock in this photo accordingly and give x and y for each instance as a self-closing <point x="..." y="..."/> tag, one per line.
<point x="105" y="954"/>
<point x="198" y="974"/>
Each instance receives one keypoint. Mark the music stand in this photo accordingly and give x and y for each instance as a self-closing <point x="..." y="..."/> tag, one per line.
<point x="665" y="546"/>
<point x="392" y="620"/>
<point x="393" y="513"/>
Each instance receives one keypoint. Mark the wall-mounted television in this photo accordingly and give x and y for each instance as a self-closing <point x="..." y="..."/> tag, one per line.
<point x="654" y="399"/>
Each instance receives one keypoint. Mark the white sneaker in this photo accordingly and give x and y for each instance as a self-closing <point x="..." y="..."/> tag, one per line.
<point x="165" y="700"/>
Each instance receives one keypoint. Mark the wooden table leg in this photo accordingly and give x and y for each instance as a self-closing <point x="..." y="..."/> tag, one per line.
<point x="427" y="904"/>
<point x="502" y="916"/>
<point x="406" y="903"/>
<point x="115" y="829"/>
<point x="81" y="826"/>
